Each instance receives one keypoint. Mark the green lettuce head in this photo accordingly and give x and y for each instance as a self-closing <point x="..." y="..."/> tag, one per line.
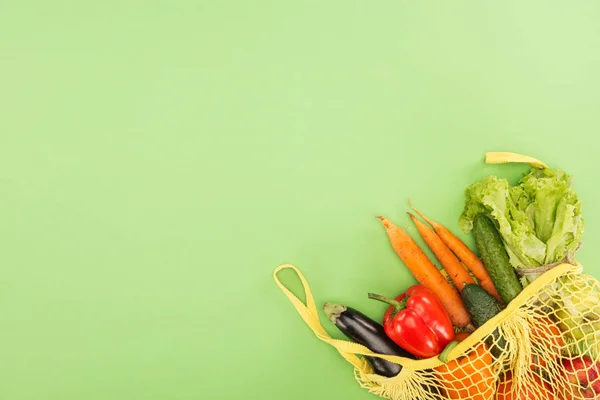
<point x="539" y="219"/>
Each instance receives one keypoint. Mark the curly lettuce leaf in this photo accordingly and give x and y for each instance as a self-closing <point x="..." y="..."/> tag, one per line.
<point x="493" y="197"/>
<point x="556" y="212"/>
<point x="539" y="219"/>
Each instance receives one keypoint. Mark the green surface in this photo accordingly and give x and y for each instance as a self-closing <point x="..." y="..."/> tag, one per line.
<point x="159" y="159"/>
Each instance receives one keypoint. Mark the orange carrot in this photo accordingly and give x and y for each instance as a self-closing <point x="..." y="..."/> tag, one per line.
<point x="426" y="273"/>
<point x="468" y="258"/>
<point x="453" y="267"/>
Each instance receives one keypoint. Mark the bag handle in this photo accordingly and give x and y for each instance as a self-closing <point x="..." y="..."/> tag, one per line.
<point x="309" y="314"/>
<point x="505" y="158"/>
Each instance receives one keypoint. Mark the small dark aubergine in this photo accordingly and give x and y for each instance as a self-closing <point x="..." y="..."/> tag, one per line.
<point x="363" y="330"/>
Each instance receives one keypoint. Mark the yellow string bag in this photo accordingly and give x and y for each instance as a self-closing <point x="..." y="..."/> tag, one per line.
<point x="551" y="332"/>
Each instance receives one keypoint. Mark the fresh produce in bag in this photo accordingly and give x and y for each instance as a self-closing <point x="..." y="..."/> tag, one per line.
<point x="526" y="319"/>
<point x="540" y="223"/>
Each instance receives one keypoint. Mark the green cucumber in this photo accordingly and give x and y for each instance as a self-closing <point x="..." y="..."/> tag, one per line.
<point x="482" y="308"/>
<point x="495" y="258"/>
<point x="479" y="303"/>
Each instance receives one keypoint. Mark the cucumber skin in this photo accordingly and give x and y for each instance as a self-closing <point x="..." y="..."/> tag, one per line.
<point x="479" y="303"/>
<point x="495" y="258"/>
<point x="482" y="308"/>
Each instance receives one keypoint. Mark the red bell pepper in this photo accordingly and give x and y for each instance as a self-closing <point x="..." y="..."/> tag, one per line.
<point x="417" y="322"/>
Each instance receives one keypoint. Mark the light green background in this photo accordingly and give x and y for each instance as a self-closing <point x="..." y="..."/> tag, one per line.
<point x="158" y="159"/>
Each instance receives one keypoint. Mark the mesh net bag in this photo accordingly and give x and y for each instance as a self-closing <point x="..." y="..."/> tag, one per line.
<point x="543" y="345"/>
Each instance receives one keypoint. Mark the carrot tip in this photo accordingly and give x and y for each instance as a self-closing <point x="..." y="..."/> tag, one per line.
<point x="414" y="218"/>
<point x="385" y="222"/>
<point x="428" y="220"/>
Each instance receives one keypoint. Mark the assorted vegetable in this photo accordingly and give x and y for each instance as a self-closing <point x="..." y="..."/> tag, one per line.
<point x="520" y="232"/>
<point x="417" y="322"/>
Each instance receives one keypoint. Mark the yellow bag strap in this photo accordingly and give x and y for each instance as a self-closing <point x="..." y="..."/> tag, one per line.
<point x="309" y="314"/>
<point x="504" y="158"/>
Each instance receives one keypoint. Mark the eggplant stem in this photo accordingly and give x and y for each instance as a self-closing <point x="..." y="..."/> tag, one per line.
<point x="333" y="311"/>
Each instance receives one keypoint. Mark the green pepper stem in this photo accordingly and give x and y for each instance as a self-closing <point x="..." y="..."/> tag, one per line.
<point x="446" y="352"/>
<point x="398" y="305"/>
